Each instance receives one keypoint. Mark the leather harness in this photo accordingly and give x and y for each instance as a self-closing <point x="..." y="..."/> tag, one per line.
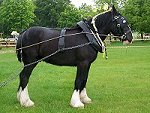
<point x="61" y="42"/>
<point x="95" y="41"/>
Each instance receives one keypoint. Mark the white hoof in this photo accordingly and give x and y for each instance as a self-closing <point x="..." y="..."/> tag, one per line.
<point x="75" y="100"/>
<point x="78" y="104"/>
<point x="27" y="103"/>
<point x="84" y="98"/>
<point x="24" y="98"/>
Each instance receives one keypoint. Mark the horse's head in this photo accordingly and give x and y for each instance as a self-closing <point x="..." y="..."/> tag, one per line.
<point x="113" y="22"/>
<point x="120" y="27"/>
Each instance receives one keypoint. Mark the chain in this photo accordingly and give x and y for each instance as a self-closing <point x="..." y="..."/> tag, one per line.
<point x="67" y="35"/>
<point x="64" y="49"/>
<point x="12" y="78"/>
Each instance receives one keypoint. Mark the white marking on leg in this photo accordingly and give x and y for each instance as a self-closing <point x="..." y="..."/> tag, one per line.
<point x="25" y="99"/>
<point x="18" y="93"/>
<point x="84" y="98"/>
<point x="75" y="100"/>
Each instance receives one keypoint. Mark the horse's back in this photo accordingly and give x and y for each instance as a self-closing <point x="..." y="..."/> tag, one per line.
<point x="38" y="34"/>
<point x="32" y="38"/>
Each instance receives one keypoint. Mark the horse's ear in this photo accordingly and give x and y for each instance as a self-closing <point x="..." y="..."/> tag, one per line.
<point x="113" y="9"/>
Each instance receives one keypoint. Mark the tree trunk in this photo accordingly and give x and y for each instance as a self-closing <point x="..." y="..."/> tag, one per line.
<point x="142" y="36"/>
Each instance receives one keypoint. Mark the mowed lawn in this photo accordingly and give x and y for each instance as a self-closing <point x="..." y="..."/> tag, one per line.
<point x="120" y="84"/>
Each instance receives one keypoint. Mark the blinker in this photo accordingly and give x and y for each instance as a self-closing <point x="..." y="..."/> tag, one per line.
<point x="116" y="17"/>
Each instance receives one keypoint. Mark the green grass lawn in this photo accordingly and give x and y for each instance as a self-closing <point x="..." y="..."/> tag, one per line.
<point x="120" y="84"/>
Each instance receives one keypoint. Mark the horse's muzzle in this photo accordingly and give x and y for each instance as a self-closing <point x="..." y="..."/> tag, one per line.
<point x="126" y="42"/>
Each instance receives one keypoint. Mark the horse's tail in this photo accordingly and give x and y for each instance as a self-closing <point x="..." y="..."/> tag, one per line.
<point x="19" y="47"/>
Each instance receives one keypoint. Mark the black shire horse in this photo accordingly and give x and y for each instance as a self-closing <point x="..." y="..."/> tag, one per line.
<point x="82" y="57"/>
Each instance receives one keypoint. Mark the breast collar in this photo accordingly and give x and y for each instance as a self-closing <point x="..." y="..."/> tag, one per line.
<point x="94" y="38"/>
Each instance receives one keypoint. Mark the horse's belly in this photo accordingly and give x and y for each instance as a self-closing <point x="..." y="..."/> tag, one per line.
<point x="63" y="59"/>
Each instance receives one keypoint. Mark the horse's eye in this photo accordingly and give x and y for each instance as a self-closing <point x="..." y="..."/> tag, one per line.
<point x="118" y="25"/>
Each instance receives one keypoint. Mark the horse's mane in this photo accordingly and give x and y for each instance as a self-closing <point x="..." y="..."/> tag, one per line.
<point x="103" y="19"/>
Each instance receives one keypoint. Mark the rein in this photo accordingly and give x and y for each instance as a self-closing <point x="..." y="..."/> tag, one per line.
<point x="10" y="79"/>
<point x="54" y="38"/>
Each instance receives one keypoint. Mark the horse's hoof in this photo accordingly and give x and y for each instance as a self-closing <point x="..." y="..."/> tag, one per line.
<point x="78" y="104"/>
<point x="86" y="100"/>
<point x="27" y="103"/>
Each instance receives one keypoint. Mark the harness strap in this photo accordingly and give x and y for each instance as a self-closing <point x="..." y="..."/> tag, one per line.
<point x="86" y="29"/>
<point x="92" y="37"/>
<point x="61" y="42"/>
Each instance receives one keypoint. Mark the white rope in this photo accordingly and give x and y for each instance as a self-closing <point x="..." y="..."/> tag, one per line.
<point x="140" y="39"/>
<point x="132" y="40"/>
<point x="118" y="47"/>
<point x="54" y="38"/>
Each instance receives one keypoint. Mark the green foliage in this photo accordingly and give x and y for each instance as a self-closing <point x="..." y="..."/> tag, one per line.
<point x="48" y="11"/>
<point x="16" y="15"/>
<point x="87" y="11"/>
<point x="69" y="16"/>
<point x="1" y="2"/>
<point x="138" y="14"/>
<point x="117" y="3"/>
<point x="21" y="14"/>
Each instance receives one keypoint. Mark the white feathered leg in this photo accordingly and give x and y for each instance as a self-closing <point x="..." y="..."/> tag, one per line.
<point x="84" y="98"/>
<point x="18" y="94"/>
<point x="23" y="97"/>
<point x="75" y="100"/>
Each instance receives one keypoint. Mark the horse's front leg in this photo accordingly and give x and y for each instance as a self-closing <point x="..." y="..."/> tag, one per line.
<point x="79" y="96"/>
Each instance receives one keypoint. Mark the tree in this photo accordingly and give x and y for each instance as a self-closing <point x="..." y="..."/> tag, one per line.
<point x="1" y="2"/>
<point x="87" y="11"/>
<point x="118" y="3"/>
<point x="48" y="11"/>
<point x="69" y="16"/>
<point x="138" y="14"/>
<point x="1" y="27"/>
<point x="16" y="15"/>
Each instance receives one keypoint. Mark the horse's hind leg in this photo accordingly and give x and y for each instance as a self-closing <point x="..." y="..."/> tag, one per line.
<point x="22" y="94"/>
<point x="79" y="96"/>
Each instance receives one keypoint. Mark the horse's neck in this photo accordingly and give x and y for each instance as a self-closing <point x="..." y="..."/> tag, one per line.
<point x="102" y="22"/>
<point x="103" y="29"/>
